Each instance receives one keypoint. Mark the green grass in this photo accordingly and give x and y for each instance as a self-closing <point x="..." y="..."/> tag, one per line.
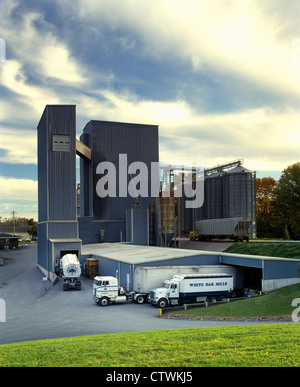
<point x="283" y="250"/>
<point x="276" y="303"/>
<point x="246" y="346"/>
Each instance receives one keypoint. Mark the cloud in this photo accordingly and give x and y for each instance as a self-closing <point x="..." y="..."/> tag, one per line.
<point x="244" y="38"/>
<point x="34" y="41"/>
<point x="264" y="137"/>
<point x="216" y="45"/>
<point x="19" y="146"/>
<point x="18" y="189"/>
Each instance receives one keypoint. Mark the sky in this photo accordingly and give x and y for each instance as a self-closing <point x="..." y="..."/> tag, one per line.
<point x="221" y="78"/>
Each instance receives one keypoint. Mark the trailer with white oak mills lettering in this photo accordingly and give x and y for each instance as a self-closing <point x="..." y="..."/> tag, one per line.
<point x="190" y="288"/>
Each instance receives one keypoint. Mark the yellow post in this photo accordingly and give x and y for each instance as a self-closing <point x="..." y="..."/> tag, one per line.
<point x="160" y="312"/>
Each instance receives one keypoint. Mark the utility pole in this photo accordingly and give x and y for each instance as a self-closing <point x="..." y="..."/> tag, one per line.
<point x="14" y="222"/>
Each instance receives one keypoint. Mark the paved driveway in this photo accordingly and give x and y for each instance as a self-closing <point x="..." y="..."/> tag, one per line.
<point x="35" y="310"/>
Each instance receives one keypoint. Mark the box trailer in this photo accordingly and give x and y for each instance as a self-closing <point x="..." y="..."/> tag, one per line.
<point x="190" y="288"/>
<point x="147" y="277"/>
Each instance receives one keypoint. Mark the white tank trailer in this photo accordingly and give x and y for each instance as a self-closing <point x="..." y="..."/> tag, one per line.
<point x="146" y="277"/>
<point x="232" y="228"/>
<point x="70" y="271"/>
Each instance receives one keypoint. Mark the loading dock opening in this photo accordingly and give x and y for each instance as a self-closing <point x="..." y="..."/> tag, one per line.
<point x="64" y="252"/>
<point x="253" y="278"/>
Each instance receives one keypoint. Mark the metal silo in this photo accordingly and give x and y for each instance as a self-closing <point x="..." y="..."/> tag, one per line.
<point x="239" y="194"/>
<point x="214" y="196"/>
<point x="165" y="219"/>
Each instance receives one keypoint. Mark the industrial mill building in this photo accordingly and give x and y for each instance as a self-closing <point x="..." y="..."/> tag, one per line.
<point x="137" y="221"/>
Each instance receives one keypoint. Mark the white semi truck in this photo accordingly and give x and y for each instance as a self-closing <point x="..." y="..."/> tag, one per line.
<point x="106" y="290"/>
<point x="70" y="271"/>
<point x="190" y="288"/>
<point x="148" y="277"/>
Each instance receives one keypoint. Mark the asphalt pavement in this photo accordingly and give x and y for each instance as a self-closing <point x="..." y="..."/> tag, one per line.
<point x="35" y="310"/>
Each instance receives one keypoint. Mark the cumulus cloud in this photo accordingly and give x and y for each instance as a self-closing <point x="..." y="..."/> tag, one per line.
<point x="18" y="189"/>
<point x="18" y="146"/>
<point x="258" y="135"/>
<point x="223" y="39"/>
<point x="246" y="38"/>
<point x="36" y="44"/>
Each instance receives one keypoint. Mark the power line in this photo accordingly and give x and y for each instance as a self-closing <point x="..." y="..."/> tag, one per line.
<point x="14" y="222"/>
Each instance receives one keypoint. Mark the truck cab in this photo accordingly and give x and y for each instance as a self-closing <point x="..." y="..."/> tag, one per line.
<point x="106" y="290"/>
<point x="166" y="295"/>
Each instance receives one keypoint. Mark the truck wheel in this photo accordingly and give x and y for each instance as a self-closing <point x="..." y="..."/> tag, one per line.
<point x="140" y="299"/>
<point x="162" y="303"/>
<point x="103" y="301"/>
<point x="212" y="299"/>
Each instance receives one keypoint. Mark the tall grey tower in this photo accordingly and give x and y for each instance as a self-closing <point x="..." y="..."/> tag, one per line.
<point x="57" y="223"/>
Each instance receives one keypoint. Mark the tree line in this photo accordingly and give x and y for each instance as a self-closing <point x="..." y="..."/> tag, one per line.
<point x="278" y="205"/>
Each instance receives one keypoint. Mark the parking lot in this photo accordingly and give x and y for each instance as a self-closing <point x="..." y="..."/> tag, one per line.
<point x="36" y="310"/>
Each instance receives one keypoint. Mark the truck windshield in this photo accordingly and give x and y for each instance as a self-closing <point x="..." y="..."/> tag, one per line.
<point x="98" y="283"/>
<point x="166" y="285"/>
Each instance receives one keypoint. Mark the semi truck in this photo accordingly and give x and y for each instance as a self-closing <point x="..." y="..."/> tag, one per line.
<point x="106" y="290"/>
<point x="192" y="288"/>
<point x="70" y="271"/>
<point x="237" y="229"/>
<point x="148" y="277"/>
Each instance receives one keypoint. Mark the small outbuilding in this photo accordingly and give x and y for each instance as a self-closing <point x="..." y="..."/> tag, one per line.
<point x="9" y="241"/>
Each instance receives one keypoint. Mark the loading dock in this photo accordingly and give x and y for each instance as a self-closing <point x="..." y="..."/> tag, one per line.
<point x="255" y="272"/>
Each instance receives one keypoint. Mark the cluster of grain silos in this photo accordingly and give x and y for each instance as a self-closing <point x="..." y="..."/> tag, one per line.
<point x="228" y="193"/>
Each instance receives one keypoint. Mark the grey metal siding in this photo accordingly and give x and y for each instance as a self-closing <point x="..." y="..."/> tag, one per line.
<point x="108" y="140"/>
<point x="89" y="230"/>
<point x="241" y="261"/>
<point x="42" y="245"/>
<point x="186" y="261"/>
<point x="42" y="167"/>
<point x="107" y="266"/>
<point x="137" y="226"/>
<point x="56" y="182"/>
<point x="280" y="269"/>
<point x="62" y="165"/>
<point x="62" y="229"/>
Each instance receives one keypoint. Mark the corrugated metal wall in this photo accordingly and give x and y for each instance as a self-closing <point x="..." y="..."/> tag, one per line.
<point x="108" y="140"/>
<point x="241" y="261"/>
<point x="280" y="269"/>
<point x="186" y="261"/>
<point x="56" y="180"/>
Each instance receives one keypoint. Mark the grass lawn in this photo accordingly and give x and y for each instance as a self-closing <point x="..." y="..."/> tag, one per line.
<point x="276" y="303"/>
<point x="283" y="250"/>
<point x="246" y="346"/>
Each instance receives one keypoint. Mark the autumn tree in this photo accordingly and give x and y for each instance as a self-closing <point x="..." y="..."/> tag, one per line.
<point x="265" y="206"/>
<point x="287" y="201"/>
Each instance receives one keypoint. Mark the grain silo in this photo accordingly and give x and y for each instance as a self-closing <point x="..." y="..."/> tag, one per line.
<point x="239" y="195"/>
